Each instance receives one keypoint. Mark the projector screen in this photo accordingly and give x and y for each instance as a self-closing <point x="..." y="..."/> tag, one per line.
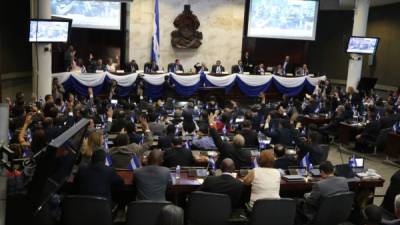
<point x="48" y="31"/>
<point x="89" y="14"/>
<point x="283" y="19"/>
<point x="362" y="45"/>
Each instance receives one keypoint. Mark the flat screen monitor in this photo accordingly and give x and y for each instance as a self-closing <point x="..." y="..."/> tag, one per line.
<point x="49" y="31"/>
<point x="89" y="14"/>
<point x="362" y="45"/>
<point x="283" y="19"/>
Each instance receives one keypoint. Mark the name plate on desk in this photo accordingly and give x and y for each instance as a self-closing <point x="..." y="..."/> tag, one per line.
<point x="139" y="71"/>
<point x="99" y="71"/>
<point x="120" y="71"/>
<point x="179" y="72"/>
<point x="246" y="73"/>
<point x="225" y="73"/>
<point x="160" y="71"/>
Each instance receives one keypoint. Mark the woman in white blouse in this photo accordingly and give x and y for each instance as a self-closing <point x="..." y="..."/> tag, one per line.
<point x="265" y="181"/>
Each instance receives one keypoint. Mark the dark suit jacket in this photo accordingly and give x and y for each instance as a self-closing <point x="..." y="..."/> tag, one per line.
<point x="387" y="121"/>
<point x="314" y="150"/>
<point x="391" y="192"/>
<point x="288" y="69"/>
<point x="371" y="131"/>
<point x="165" y="142"/>
<point x="171" y="67"/>
<point x="178" y="156"/>
<point x="148" y="67"/>
<point x="129" y="68"/>
<point x="236" y="69"/>
<point x="97" y="180"/>
<point x="225" y="184"/>
<point x="214" y="69"/>
<point x="284" y="136"/>
<point x="250" y="138"/>
<point x="228" y="150"/>
<point x="284" y="162"/>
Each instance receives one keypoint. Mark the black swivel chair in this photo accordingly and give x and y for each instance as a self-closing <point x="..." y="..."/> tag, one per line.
<point x="208" y="208"/>
<point x="84" y="210"/>
<point x="334" y="209"/>
<point x="273" y="211"/>
<point x="144" y="212"/>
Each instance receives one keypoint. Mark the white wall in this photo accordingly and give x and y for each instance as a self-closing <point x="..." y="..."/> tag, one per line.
<point x="221" y="22"/>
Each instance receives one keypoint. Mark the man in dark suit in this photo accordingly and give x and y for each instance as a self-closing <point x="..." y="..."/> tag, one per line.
<point x="165" y="142"/>
<point x="311" y="146"/>
<point x="352" y="96"/>
<point x="96" y="179"/>
<point x="370" y="132"/>
<point x="247" y="62"/>
<point x="391" y="192"/>
<point x="232" y="149"/>
<point x="131" y="67"/>
<point x="283" y="135"/>
<point x="283" y="161"/>
<point x="217" y="68"/>
<point x="226" y="183"/>
<point x="238" y="68"/>
<point x="333" y="125"/>
<point x="178" y="155"/>
<point x="152" y="181"/>
<point x="250" y="136"/>
<point x="287" y="66"/>
<point x="151" y="67"/>
<point x="174" y="67"/>
<point x="260" y="69"/>
<point x="328" y="185"/>
<point x="389" y="119"/>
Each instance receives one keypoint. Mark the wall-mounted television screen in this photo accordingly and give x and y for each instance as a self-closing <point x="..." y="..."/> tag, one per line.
<point x="362" y="45"/>
<point x="283" y="19"/>
<point x="89" y="14"/>
<point x="49" y="31"/>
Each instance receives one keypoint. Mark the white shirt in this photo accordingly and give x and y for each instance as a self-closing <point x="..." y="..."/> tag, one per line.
<point x="266" y="184"/>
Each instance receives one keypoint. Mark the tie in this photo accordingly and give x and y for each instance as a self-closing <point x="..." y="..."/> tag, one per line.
<point x="218" y="69"/>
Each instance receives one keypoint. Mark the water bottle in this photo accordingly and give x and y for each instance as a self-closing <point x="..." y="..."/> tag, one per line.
<point x="224" y="130"/>
<point x="310" y="167"/>
<point x="178" y="172"/>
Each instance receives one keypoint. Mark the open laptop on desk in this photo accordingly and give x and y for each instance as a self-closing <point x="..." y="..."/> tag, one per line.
<point x="357" y="164"/>
<point x="297" y="170"/>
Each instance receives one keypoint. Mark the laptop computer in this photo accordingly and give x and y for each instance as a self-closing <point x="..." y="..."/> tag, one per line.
<point x="358" y="164"/>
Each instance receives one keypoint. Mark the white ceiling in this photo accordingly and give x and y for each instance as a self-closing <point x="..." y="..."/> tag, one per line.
<point x="349" y="4"/>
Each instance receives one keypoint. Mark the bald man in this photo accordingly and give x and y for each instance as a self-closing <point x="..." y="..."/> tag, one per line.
<point x="151" y="181"/>
<point x="226" y="183"/>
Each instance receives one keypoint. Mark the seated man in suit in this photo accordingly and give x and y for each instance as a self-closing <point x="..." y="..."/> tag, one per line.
<point x="176" y="66"/>
<point x="250" y="136"/>
<point x="278" y="70"/>
<point x="200" y="67"/>
<point x="226" y="183"/>
<point x="131" y="67"/>
<point x="217" y="68"/>
<point x="97" y="179"/>
<point x="283" y="161"/>
<point x="178" y="155"/>
<point x="333" y="125"/>
<point x="232" y="149"/>
<point x="152" y="181"/>
<point x="302" y="71"/>
<point x="100" y="65"/>
<point x="151" y="67"/>
<point x="260" y="69"/>
<point x="328" y="185"/>
<point x="157" y="127"/>
<point x="165" y="142"/>
<point x="369" y="134"/>
<point x="238" y="68"/>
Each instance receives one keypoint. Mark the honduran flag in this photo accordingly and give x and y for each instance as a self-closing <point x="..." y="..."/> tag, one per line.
<point x="155" y="47"/>
<point x="305" y="162"/>
<point x="134" y="163"/>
